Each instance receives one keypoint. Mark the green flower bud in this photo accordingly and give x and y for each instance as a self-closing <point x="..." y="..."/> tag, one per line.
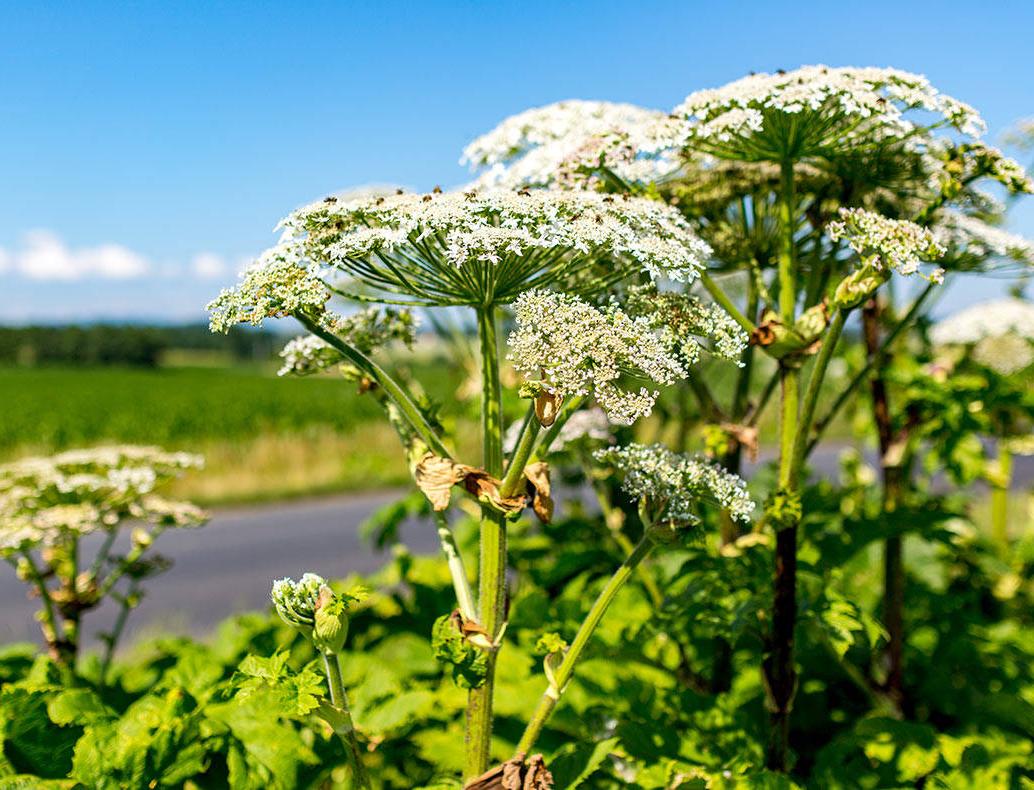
<point x="142" y="539"/>
<point x="555" y="648"/>
<point x="859" y="286"/>
<point x="331" y="622"/>
<point x="812" y="323"/>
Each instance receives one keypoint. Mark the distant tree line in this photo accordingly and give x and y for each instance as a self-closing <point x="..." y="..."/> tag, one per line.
<point x="126" y="344"/>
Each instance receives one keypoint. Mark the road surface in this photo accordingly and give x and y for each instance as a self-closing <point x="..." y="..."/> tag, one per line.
<point x="227" y="566"/>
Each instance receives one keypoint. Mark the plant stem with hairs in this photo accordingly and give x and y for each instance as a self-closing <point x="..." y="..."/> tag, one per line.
<point x="893" y="559"/>
<point x="778" y="666"/>
<point x="492" y="569"/>
<point x="341" y="721"/>
<point x="1000" y="495"/>
<point x="563" y="674"/>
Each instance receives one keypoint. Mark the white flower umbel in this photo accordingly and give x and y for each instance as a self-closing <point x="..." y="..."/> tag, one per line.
<point x="1000" y="333"/>
<point x="973" y="243"/>
<point x="886" y="244"/>
<point x="672" y="484"/>
<point x="48" y="500"/>
<point x="276" y="286"/>
<point x="688" y="324"/>
<point x="365" y="330"/>
<point x="816" y="111"/>
<point x="562" y="144"/>
<point x="577" y="348"/>
<point x="482" y="248"/>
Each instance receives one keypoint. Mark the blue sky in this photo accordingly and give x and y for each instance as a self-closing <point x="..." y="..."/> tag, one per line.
<point x="148" y="148"/>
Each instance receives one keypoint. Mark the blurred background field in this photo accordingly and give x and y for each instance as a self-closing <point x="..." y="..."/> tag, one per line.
<point x="264" y="437"/>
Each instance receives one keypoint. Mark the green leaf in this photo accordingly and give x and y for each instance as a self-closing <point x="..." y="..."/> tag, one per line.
<point x="573" y="764"/>
<point x="467" y="664"/>
<point x="78" y="706"/>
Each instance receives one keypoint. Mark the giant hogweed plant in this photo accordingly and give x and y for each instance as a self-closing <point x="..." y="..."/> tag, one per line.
<point x="553" y="257"/>
<point x="50" y="506"/>
<point x="830" y="179"/>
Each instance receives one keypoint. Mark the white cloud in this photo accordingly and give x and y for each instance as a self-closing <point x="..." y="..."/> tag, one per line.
<point x="208" y="266"/>
<point x="43" y="256"/>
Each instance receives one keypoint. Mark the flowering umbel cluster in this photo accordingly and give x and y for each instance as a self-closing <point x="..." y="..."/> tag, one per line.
<point x="973" y="241"/>
<point x="365" y="331"/>
<point x="48" y="501"/>
<point x="885" y="243"/>
<point x="1000" y="334"/>
<point x="276" y="286"/>
<point x="671" y="484"/>
<point x="815" y="111"/>
<point x="688" y="324"/>
<point x="483" y="247"/>
<point x="577" y="347"/>
<point x="565" y="143"/>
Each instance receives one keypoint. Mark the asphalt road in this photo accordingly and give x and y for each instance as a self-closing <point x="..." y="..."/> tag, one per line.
<point x="228" y="565"/>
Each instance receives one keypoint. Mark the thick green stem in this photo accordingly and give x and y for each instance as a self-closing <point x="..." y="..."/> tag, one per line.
<point x="566" y="669"/>
<point x="788" y="227"/>
<point x="47" y="616"/>
<point x="395" y="390"/>
<point x="1000" y="496"/>
<point x="521" y="454"/>
<point x="492" y="570"/>
<point x="778" y="666"/>
<point x="811" y="394"/>
<point x="852" y="387"/>
<point x="342" y="722"/>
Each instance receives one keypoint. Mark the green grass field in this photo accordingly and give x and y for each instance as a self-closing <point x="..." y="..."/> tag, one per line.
<point x="263" y="436"/>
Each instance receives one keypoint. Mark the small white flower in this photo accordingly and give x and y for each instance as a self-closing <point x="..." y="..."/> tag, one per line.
<point x="885" y="243"/>
<point x="48" y="500"/>
<point x="674" y="483"/>
<point x="815" y="110"/>
<point x="553" y="146"/>
<point x="577" y="348"/>
<point x="1000" y="334"/>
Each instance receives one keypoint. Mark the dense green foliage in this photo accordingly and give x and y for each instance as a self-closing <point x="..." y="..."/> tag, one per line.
<point x="240" y="711"/>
